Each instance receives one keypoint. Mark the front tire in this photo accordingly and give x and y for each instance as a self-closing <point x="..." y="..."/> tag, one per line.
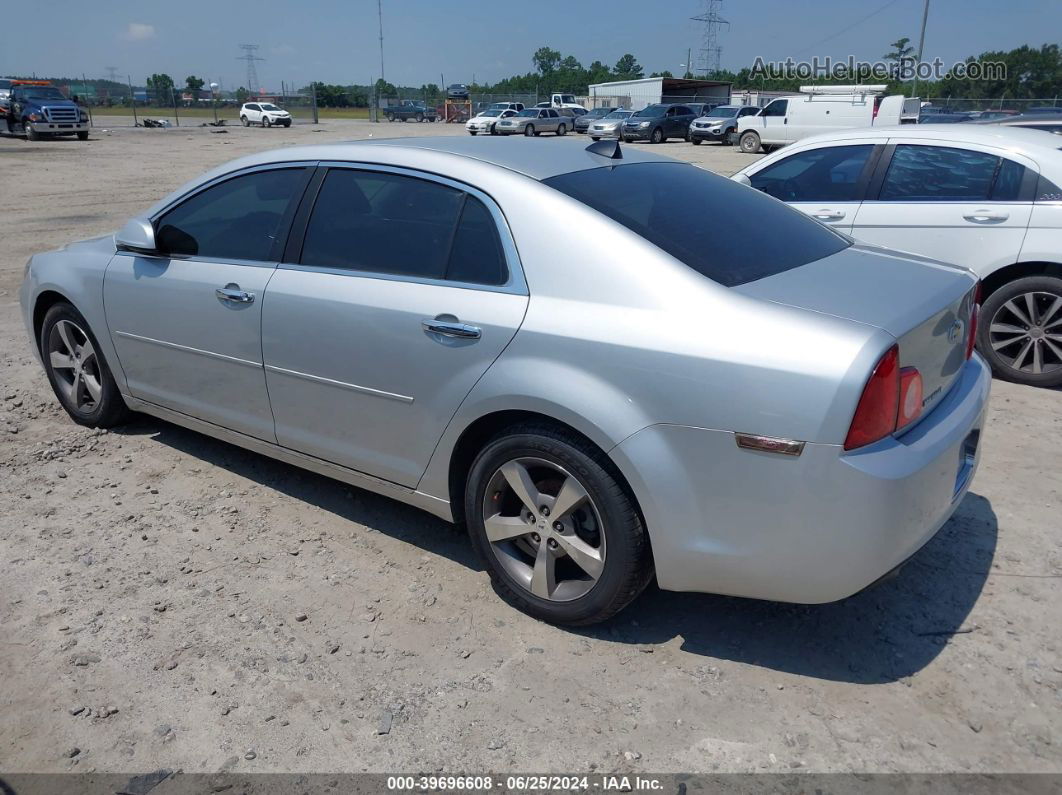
<point x="695" y="141"/>
<point x="749" y="143"/>
<point x="1020" y="331"/>
<point x="529" y="130"/>
<point x="592" y="138"/>
<point x="560" y="536"/>
<point x="657" y="136"/>
<point x="77" y="371"/>
<point x="31" y="134"/>
<point x="82" y="135"/>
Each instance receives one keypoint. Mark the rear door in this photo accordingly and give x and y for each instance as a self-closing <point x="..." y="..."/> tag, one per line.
<point x="960" y="203"/>
<point x="398" y="291"/>
<point x="826" y="182"/>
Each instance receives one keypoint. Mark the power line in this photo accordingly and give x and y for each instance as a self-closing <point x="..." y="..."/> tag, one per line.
<point x="252" y="71"/>
<point x="844" y="30"/>
<point x="711" y="51"/>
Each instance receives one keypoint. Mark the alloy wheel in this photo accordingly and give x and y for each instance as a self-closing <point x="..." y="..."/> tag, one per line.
<point x="1026" y="333"/>
<point x="77" y="369"/>
<point x="544" y="529"/>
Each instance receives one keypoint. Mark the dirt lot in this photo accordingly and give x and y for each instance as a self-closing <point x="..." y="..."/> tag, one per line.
<point x="169" y="601"/>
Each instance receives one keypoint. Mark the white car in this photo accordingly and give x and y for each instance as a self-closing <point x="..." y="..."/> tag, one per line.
<point x="264" y="113"/>
<point x="983" y="196"/>
<point x="485" y="122"/>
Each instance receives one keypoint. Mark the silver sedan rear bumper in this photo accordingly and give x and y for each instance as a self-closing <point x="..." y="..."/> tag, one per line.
<point x="809" y="529"/>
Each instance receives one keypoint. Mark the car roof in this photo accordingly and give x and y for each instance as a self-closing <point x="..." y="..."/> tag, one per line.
<point x="1003" y="136"/>
<point x="533" y="157"/>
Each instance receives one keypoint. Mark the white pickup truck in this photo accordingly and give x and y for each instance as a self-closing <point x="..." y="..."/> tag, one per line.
<point x="822" y="109"/>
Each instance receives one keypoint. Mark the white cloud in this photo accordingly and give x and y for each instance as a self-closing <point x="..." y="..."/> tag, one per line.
<point x="138" y="31"/>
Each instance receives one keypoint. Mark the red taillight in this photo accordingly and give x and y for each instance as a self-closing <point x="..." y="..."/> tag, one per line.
<point x="875" y="416"/>
<point x="975" y="308"/>
<point x="910" y="397"/>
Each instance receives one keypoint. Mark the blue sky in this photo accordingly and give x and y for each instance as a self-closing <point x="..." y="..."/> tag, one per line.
<point x="336" y="40"/>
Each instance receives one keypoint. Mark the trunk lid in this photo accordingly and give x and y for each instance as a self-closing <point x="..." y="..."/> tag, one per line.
<point x="923" y="303"/>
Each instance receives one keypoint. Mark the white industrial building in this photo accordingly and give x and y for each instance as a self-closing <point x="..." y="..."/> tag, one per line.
<point x="637" y="94"/>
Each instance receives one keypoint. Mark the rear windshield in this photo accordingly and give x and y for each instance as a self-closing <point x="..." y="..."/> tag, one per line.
<point x="723" y="230"/>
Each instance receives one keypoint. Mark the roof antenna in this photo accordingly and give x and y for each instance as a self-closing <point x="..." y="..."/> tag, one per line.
<point x="606" y="148"/>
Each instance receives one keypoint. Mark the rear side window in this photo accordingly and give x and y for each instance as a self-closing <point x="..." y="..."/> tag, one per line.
<point x="713" y="225"/>
<point x="819" y="175"/>
<point x="944" y="173"/>
<point x="402" y="226"/>
<point x="240" y="218"/>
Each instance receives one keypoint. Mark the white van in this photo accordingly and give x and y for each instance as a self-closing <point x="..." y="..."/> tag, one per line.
<point x="822" y="109"/>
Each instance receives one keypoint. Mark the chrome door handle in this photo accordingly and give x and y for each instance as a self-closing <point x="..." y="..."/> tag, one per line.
<point x="447" y="329"/>
<point x="980" y="216"/>
<point x="829" y="215"/>
<point x="234" y="294"/>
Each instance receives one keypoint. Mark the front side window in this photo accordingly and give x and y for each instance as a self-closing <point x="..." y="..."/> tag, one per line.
<point x="666" y="203"/>
<point x="820" y="175"/>
<point x="944" y="173"/>
<point x="240" y="218"/>
<point x="402" y="226"/>
<point x="776" y="108"/>
<point x="748" y="111"/>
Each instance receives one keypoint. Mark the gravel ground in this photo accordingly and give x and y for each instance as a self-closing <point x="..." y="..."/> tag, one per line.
<point x="169" y="601"/>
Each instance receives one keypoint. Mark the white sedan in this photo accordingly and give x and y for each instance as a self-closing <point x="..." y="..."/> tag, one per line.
<point x="485" y="121"/>
<point x="982" y="196"/>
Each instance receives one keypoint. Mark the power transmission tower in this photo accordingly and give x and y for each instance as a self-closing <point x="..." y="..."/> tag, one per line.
<point x="252" y="72"/>
<point x="714" y="24"/>
<point x="112" y="73"/>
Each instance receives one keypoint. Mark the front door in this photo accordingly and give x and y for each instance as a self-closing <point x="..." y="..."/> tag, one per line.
<point x="969" y="206"/>
<point x="187" y="324"/>
<point x="826" y="182"/>
<point x="404" y="290"/>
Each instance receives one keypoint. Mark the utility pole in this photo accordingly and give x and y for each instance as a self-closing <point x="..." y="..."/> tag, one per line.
<point x="379" y="12"/>
<point x="921" y="44"/>
<point x="84" y="81"/>
<point x="132" y="100"/>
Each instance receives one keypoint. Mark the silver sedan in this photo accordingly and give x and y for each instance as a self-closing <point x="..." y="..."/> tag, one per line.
<point x="790" y="421"/>
<point x="609" y="126"/>
<point x="535" y="121"/>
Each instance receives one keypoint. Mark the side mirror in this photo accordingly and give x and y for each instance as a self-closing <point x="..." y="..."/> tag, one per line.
<point x="137" y="236"/>
<point x="744" y="180"/>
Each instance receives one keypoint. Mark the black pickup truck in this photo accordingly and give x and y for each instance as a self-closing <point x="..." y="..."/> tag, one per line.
<point x="409" y="109"/>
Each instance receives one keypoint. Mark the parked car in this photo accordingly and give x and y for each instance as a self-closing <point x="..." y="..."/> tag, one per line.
<point x="943" y="118"/>
<point x="1049" y="109"/>
<point x="611" y="126"/>
<point x="719" y="123"/>
<point x="486" y="121"/>
<point x="985" y="196"/>
<point x="582" y="124"/>
<point x="264" y="113"/>
<point x="701" y="108"/>
<point x="571" y="114"/>
<point x="410" y="109"/>
<point x="657" y="123"/>
<point x="799" y="460"/>
<point x="823" y="109"/>
<point x="37" y="109"/>
<point x="535" y="121"/>
<point x="457" y="91"/>
<point x="513" y="106"/>
<point x="1035" y="121"/>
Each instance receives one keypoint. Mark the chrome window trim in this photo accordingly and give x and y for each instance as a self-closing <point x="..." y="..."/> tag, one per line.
<point x="516" y="284"/>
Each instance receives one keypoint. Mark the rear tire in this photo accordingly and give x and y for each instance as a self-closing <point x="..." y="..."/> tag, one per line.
<point x="562" y="130"/>
<point x="592" y="138"/>
<point x="245" y="122"/>
<point x="77" y="371"/>
<point x="420" y="117"/>
<point x="1020" y="330"/>
<point x="749" y="143"/>
<point x="601" y="529"/>
<point x="390" y="117"/>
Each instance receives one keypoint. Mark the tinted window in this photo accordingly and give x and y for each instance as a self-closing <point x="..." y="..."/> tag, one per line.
<point x="928" y="173"/>
<point x="1007" y="185"/>
<point x="830" y="174"/>
<point x="748" y="111"/>
<point x="713" y="225"/>
<point x="1047" y="191"/>
<point x="236" y="219"/>
<point x="776" y="108"/>
<point x="477" y="255"/>
<point x="384" y="223"/>
<point x="682" y="110"/>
